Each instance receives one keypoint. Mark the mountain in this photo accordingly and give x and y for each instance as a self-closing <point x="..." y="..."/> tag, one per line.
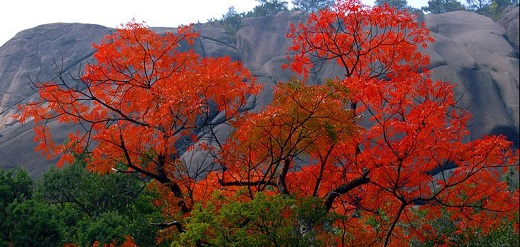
<point x="477" y="54"/>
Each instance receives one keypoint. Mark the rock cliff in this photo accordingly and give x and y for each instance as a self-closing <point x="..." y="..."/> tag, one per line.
<point x="472" y="51"/>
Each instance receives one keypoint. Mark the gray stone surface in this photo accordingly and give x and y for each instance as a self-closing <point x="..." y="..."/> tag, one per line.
<point x="510" y="22"/>
<point x="32" y="55"/>
<point x="471" y="51"/>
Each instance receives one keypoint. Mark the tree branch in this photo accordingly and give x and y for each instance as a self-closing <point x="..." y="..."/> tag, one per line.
<point x="345" y="188"/>
<point x="282" y="186"/>
<point x="168" y="224"/>
<point x="245" y="183"/>
<point x="394" y="223"/>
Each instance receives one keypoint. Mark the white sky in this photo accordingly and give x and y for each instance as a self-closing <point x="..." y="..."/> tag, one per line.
<point x="18" y="15"/>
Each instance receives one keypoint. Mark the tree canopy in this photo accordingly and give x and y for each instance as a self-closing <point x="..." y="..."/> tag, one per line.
<point x="398" y="4"/>
<point x="442" y="6"/>
<point x="141" y="105"/>
<point x="311" y="5"/>
<point x="374" y="156"/>
<point x="268" y="7"/>
<point x="74" y="207"/>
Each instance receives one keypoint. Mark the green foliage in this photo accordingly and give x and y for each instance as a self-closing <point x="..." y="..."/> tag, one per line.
<point x="311" y="5"/>
<point x="503" y="236"/>
<point x="14" y="187"/>
<point x="491" y="8"/>
<point x="479" y="6"/>
<point x="33" y="223"/>
<point x="266" y="220"/>
<point x="26" y="221"/>
<point x="109" y="206"/>
<point x="107" y="228"/>
<point x="442" y="6"/>
<point x="398" y="4"/>
<point x="92" y="194"/>
<point x="267" y="8"/>
<point x="72" y="205"/>
<point x="496" y="8"/>
<point x="232" y="22"/>
<point x="448" y="234"/>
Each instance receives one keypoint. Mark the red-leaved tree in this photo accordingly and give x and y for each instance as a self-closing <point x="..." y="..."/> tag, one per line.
<point x="382" y="149"/>
<point x="374" y="143"/>
<point x="141" y="105"/>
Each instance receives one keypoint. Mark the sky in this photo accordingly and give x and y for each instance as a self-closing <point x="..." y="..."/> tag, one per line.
<point x="18" y="15"/>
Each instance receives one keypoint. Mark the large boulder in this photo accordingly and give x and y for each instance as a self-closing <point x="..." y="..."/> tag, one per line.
<point x="510" y="21"/>
<point x="471" y="51"/>
<point x="35" y="54"/>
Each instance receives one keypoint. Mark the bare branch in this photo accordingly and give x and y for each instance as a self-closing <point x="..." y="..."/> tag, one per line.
<point x="345" y="188"/>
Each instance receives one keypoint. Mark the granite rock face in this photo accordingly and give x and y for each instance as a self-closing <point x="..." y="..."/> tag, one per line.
<point x="471" y="51"/>
<point x="509" y="21"/>
<point x="32" y="55"/>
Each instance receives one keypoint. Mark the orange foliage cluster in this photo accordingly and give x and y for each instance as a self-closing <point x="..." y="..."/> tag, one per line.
<point x="142" y="101"/>
<point x="372" y="144"/>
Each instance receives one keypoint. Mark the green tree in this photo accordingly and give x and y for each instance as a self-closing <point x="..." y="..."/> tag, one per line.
<point x="109" y="227"/>
<point x="442" y="6"/>
<point x="311" y="5"/>
<point x="266" y="220"/>
<point x="108" y="207"/>
<point x="479" y="6"/>
<point x="15" y="188"/>
<point x="268" y="7"/>
<point x="398" y="4"/>
<point x="232" y="21"/>
<point x="505" y="235"/>
<point x="33" y="223"/>
<point x="91" y="194"/>
<point x="490" y="8"/>
<point x="73" y="206"/>
<point x="497" y="7"/>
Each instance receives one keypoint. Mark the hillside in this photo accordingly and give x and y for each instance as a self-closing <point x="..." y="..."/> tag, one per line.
<point x="472" y="51"/>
